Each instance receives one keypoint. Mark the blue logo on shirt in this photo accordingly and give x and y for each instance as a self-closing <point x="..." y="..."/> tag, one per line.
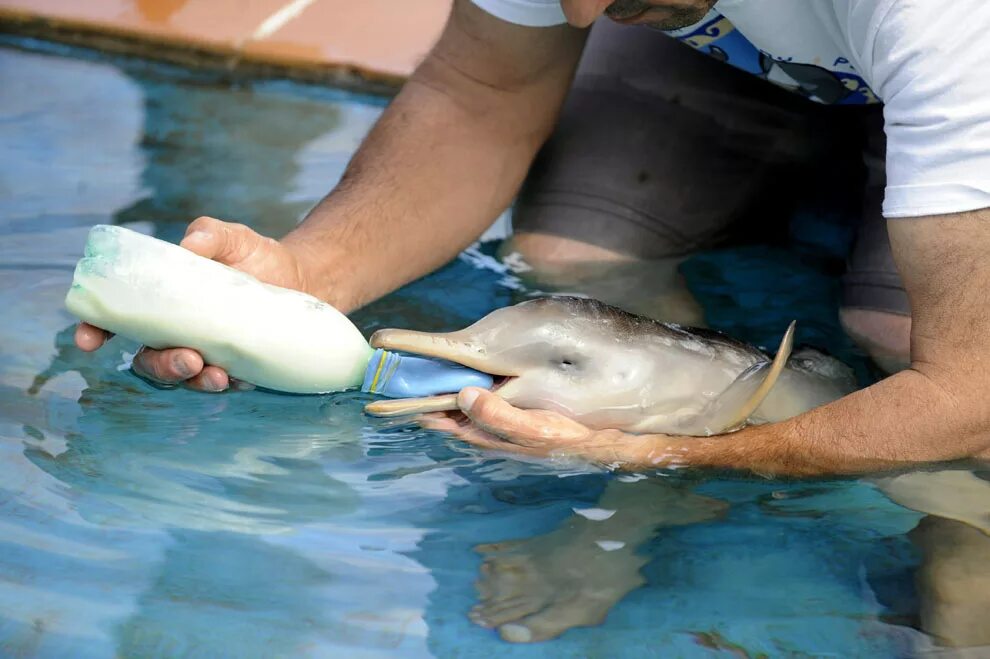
<point x="720" y="39"/>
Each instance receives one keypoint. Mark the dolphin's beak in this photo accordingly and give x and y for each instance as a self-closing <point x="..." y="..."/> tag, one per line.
<point x="453" y="347"/>
<point x="407" y="406"/>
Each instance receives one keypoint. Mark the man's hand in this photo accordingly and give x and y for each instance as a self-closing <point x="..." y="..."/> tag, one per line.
<point x="934" y="411"/>
<point x="488" y="422"/>
<point x="231" y="244"/>
<point x="447" y="156"/>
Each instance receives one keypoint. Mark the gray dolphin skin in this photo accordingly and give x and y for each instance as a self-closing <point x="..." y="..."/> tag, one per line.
<point x="607" y="368"/>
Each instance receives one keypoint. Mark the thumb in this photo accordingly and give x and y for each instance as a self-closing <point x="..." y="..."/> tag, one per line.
<point x="496" y="416"/>
<point x="213" y="239"/>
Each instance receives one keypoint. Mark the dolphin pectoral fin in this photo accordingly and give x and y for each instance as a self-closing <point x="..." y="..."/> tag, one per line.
<point x="779" y="361"/>
<point x="406" y="406"/>
<point x="776" y="367"/>
<point x="733" y="407"/>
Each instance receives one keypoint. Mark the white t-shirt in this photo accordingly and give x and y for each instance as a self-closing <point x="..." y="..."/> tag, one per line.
<point x="927" y="61"/>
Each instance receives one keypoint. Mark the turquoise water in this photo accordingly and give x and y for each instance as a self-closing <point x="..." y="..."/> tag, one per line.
<point x="144" y="522"/>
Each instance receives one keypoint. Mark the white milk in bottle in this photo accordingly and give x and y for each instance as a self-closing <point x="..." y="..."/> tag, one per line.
<point x="165" y="296"/>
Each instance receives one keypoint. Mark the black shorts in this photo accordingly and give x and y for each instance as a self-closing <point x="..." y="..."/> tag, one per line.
<point x="663" y="151"/>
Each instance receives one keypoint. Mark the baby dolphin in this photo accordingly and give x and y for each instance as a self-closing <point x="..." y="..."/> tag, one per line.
<point x="607" y="368"/>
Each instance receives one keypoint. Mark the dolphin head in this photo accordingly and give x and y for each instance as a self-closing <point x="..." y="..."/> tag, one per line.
<point x="553" y="353"/>
<point x="590" y="361"/>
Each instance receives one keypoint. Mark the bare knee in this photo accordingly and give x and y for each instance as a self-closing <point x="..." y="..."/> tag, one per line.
<point x="651" y="288"/>
<point x="886" y="337"/>
<point x="548" y="252"/>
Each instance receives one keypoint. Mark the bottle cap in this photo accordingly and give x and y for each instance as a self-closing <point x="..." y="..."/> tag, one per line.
<point x="403" y="376"/>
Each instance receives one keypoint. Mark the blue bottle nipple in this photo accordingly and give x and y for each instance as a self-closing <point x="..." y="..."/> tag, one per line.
<point x="403" y="376"/>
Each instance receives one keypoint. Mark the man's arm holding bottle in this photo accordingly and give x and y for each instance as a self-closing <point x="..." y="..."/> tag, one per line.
<point x="444" y="160"/>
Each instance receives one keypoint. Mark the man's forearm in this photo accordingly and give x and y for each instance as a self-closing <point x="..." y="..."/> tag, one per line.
<point x="935" y="411"/>
<point x="907" y="418"/>
<point x="427" y="182"/>
<point x="445" y="159"/>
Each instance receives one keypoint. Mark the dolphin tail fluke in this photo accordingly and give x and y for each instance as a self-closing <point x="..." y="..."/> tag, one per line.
<point x="730" y="410"/>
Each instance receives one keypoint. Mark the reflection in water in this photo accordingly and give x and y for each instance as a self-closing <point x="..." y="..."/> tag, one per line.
<point x="536" y="588"/>
<point x="954" y="581"/>
<point x="67" y="359"/>
<point x="195" y="462"/>
<point x="202" y="146"/>
<point x="954" y="539"/>
<point x="268" y="599"/>
<point x="710" y="570"/>
<point x="142" y="522"/>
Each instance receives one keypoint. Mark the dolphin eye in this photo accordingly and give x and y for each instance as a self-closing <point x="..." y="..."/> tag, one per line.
<point x="566" y="363"/>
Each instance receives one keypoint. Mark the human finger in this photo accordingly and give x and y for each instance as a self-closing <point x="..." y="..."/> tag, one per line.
<point x="168" y="366"/>
<point x="212" y="379"/>
<point x="89" y="337"/>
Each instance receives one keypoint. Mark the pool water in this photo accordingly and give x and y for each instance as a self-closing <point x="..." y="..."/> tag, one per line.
<point x="136" y="521"/>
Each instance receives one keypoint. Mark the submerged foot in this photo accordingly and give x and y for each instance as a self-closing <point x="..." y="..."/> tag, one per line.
<point x="536" y="589"/>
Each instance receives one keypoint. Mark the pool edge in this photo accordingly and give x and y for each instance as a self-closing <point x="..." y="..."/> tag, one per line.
<point x="198" y="55"/>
